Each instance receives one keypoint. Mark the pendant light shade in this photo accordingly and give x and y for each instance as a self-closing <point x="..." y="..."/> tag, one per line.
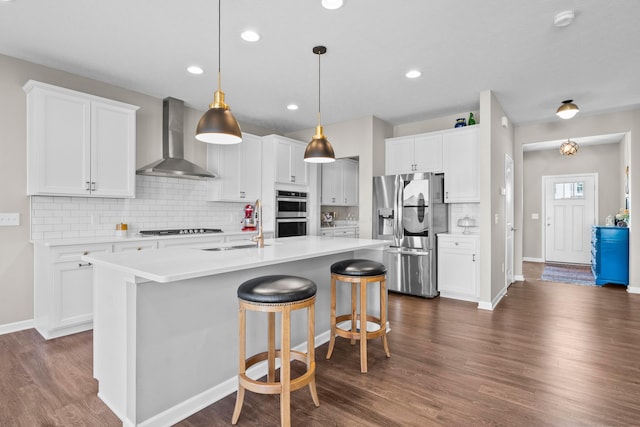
<point x="217" y="125"/>
<point x="319" y="150"/>
<point x="567" y="110"/>
<point x="569" y="148"/>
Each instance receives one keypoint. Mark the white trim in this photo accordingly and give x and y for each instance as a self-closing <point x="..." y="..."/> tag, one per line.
<point x="196" y="403"/>
<point x="483" y="305"/>
<point x="518" y="278"/>
<point x="633" y="289"/>
<point x="9" y="328"/>
<point x="531" y="259"/>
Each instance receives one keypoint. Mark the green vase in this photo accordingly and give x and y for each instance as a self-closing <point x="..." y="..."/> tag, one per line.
<point x="471" y="121"/>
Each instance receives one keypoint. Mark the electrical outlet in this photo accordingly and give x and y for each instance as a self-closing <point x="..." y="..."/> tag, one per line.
<point x="9" y="219"/>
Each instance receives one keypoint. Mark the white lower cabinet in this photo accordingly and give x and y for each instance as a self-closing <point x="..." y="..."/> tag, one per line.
<point x="352" y="232"/>
<point x="63" y="289"/>
<point x="459" y="266"/>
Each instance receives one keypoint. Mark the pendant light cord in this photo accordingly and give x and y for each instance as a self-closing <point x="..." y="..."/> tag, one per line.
<point x="219" y="37"/>
<point x="319" y="55"/>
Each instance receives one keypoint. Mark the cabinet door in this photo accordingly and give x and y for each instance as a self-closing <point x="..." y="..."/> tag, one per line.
<point x="230" y="171"/>
<point x="73" y="294"/>
<point x="251" y="169"/>
<point x="113" y="150"/>
<point x="284" y="174"/>
<point x="456" y="274"/>
<point x="331" y="183"/>
<point x="460" y="164"/>
<point x="298" y="165"/>
<point x="58" y="140"/>
<point x="428" y="153"/>
<point x="350" y="182"/>
<point x="399" y="155"/>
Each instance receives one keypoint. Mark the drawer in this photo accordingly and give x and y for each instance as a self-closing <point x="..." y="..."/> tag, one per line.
<point x="73" y="253"/>
<point x="135" y="246"/>
<point x="454" y="243"/>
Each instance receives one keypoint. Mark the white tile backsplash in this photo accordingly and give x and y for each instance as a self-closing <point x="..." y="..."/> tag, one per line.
<point x="460" y="210"/>
<point x="161" y="202"/>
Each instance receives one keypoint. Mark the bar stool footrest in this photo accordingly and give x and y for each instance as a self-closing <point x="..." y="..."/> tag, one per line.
<point x="265" y="387"/>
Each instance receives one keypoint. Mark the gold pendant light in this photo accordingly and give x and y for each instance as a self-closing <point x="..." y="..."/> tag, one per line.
<point x="319" y="150"/>
<point x="217" y="125"/>
<point x="567" y="110"/>
<point x="569" y="148"/>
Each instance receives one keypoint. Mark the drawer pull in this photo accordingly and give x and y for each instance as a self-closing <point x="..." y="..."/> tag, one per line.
<point x="85" y="253"/>
<point x="84" y="265"/>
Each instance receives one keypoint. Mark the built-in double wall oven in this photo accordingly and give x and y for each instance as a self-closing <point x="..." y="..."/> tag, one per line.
<point x="291" y="213"/>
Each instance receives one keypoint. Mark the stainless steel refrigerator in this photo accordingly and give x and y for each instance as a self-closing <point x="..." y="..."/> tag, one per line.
<point x="409" y="210"/>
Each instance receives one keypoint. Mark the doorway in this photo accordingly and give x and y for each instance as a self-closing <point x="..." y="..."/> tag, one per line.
<point x="569" y="211"/>
<point x="509" y="214"/>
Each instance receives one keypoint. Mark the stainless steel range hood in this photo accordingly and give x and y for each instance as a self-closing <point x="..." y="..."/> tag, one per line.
<point x="173" y="163"/>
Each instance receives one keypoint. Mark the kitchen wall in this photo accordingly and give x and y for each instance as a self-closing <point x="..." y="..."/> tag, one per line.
<point x="601" y="159"/>
<point x="160" y="202"/>
<point x="16" y="251"/>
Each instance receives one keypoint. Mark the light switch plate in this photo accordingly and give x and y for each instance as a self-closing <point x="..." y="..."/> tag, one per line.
<point x="9" y="219"/>
<point x="535" y="216"/>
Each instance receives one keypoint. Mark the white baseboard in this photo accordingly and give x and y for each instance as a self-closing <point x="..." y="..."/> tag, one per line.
<point x="518" y="278"/>
<point x="16" y="326"/>
<point x="196" y="403"/>
<point x="483" y="305"/>
<point x="529" y="259"/>
<point x="633" y="289"/>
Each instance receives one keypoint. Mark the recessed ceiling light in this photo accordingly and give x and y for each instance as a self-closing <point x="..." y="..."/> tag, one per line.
<point x="292" y="107"/>
<point x="194" y="69"/>
<point x="413" y="74"/>
<point x="332" y="4"/>
<point x="250" y="36"/>
<point x="564" y="18"/>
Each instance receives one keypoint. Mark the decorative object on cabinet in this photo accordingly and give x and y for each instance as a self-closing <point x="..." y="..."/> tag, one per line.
<point x="79" y="144"/>
<point x="466" y="222"/>
<point x="319" y="150"/>
<point x="461" y="122"/>
<point x="567" y="110"/>
<point x="472" y="120"/>
<point x="569" y="148"/>
<point x="217" y="125"/>
<point x="610" y="255"/>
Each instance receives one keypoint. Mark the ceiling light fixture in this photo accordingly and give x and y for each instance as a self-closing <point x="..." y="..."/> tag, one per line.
<point x="194" y="69"/>
<point x="217" y="125"/>
<point x="250" y="36"/>
<point x="319" y="150"/>
<point x="567" y="110"/>
<point x="569" y="148"/>
<point x="413" y="74"/>
<point x="332" y="4"/>
<point x="564" y="18"/>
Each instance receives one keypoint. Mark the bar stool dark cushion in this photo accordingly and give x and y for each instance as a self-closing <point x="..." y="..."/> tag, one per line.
<point x="276" y="289"/>
<point x="358" y="267"/>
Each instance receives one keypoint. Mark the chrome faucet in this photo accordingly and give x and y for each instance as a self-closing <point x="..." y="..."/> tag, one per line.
<point x="259" y="238"/>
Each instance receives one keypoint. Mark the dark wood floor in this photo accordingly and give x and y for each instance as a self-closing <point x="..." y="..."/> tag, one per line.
<point x="550" y="354"/>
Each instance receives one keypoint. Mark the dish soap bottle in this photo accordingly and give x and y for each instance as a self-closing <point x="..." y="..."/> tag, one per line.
<point x="472" y="121"/>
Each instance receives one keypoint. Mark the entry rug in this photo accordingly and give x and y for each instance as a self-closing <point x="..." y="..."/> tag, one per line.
<point x="568" y="274"/>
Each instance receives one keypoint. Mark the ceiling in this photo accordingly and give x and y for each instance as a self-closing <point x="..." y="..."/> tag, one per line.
<point x="461" y="48"/>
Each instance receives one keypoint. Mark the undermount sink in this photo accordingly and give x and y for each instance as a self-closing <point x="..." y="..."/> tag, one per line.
<point x="230" y="248"/>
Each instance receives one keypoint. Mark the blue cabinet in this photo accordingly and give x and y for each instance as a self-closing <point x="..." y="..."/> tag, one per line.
<point x="610" y="255"/>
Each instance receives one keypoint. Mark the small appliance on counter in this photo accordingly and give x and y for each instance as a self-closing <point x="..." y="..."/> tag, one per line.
<point x="121" y="229"/>
<point x="249" y="222"/>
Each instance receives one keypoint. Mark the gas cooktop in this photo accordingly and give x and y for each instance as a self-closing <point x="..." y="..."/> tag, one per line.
<point x="180" y="231"/>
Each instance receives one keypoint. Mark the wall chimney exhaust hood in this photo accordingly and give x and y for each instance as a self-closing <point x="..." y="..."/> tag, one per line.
<point x="173" y="163"/>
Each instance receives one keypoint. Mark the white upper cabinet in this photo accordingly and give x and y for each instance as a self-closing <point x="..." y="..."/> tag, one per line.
<point x="79" y="144"/>
<point x="239" y="170"/>
<point x="340" y="183"/>
<point x="290" y="167"/>
<point x="416" y="153"/>
<point x="460" y="162"/>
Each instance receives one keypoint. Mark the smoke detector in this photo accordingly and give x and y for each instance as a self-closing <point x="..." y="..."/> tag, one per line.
<point x="564" y="18"/>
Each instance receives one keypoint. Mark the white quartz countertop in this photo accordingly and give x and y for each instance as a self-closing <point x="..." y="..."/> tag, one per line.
<point x="133" y="237"/>
<point x="172" y="264"/>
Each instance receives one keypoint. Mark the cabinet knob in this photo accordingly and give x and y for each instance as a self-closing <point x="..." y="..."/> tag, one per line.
<point x="139" y="249"/>
<point x="85" y="253"/>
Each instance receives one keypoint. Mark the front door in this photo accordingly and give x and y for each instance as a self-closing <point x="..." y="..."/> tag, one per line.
<point x="570" y="211"/>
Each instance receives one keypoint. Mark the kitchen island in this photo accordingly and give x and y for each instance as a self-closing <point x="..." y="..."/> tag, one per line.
<point x="165" y="321"/>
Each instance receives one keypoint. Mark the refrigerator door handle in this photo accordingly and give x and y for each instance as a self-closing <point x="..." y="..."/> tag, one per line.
<point x="402" y="251"/>
<point x="397" y="225"/>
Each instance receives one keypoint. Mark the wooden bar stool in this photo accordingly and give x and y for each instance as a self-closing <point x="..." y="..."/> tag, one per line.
<point x="359" y="272"/>
<point x="277" y="294"/>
